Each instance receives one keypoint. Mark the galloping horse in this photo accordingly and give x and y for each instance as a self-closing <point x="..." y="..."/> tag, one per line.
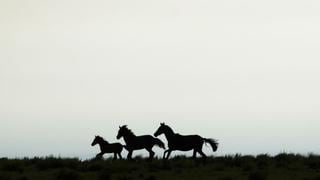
<point x="106" y="147"/>
<point x="184" y="143"/>
<point x="134" y="142"/>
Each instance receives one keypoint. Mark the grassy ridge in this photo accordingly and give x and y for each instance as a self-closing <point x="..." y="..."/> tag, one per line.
<point x="281" y="166"/>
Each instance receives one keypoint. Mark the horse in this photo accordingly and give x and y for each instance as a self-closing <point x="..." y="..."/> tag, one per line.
<point x="184" y="142"/>
<point x="134" y="142"/>
<point x="106" y="147"/>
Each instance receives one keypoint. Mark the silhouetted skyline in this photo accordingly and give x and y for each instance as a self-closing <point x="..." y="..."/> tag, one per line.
<point x="244" y="72"/>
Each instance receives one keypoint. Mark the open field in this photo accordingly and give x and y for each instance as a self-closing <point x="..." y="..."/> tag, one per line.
<point x="282" y="166"/>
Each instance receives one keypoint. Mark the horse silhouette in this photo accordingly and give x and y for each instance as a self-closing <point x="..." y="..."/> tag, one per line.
<point x="106" y="147"/>
<point x="134" y="142"/>
<point x="184" y="142"/>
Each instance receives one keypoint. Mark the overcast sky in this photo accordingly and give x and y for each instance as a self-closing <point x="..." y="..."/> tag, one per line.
<point x="244" y="72"/>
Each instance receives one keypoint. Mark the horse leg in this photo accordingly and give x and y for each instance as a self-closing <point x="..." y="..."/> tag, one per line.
<point x="115" y="156"/>
<point x="119" y="154"/>
<point x="194" y="154"/>
<point x="99" y="155"/>
<point x="169" y="152"/>
<point x="164" y="154"/>
<point x="202" y="154"/>
<point x="129" y="155"/>
<point x="151" y="153"/>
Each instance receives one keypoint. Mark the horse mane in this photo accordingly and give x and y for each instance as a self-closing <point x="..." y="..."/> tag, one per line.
<point x="170" y="129"/>
<point x="129" y="131"/>
<point x="103" y="139"/>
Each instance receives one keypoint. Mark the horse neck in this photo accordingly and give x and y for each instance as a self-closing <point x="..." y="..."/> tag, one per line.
<point x="169" y="133"/>
<point x="102" y="143"/>
<point x="128" y="137"/>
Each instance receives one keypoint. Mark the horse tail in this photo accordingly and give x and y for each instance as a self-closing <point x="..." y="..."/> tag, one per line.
<point x="213" y="143"/>
<point x="159" y="143"/>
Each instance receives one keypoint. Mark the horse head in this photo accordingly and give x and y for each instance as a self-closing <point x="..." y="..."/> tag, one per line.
<point x="95" y="140"/>
<point x="121" y="131"/>
<point x="160" y="130"/>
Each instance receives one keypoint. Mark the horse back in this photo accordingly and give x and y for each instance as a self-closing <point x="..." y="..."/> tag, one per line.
<point x="141" y="142"/>
<point x="185" y="142"/>
<point x="114" y="147"/>
<point x="189" y="137"/>
<point x="146" y="137"/>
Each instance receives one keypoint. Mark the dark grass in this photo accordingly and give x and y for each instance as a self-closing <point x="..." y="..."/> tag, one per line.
<point x="261" y="167"/>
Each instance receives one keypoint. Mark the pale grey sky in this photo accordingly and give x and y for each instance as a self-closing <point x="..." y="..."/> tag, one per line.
<point x="244" y="72"/>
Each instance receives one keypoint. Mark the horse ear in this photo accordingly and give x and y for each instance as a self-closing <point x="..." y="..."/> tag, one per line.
<point x="119" y="127"/>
